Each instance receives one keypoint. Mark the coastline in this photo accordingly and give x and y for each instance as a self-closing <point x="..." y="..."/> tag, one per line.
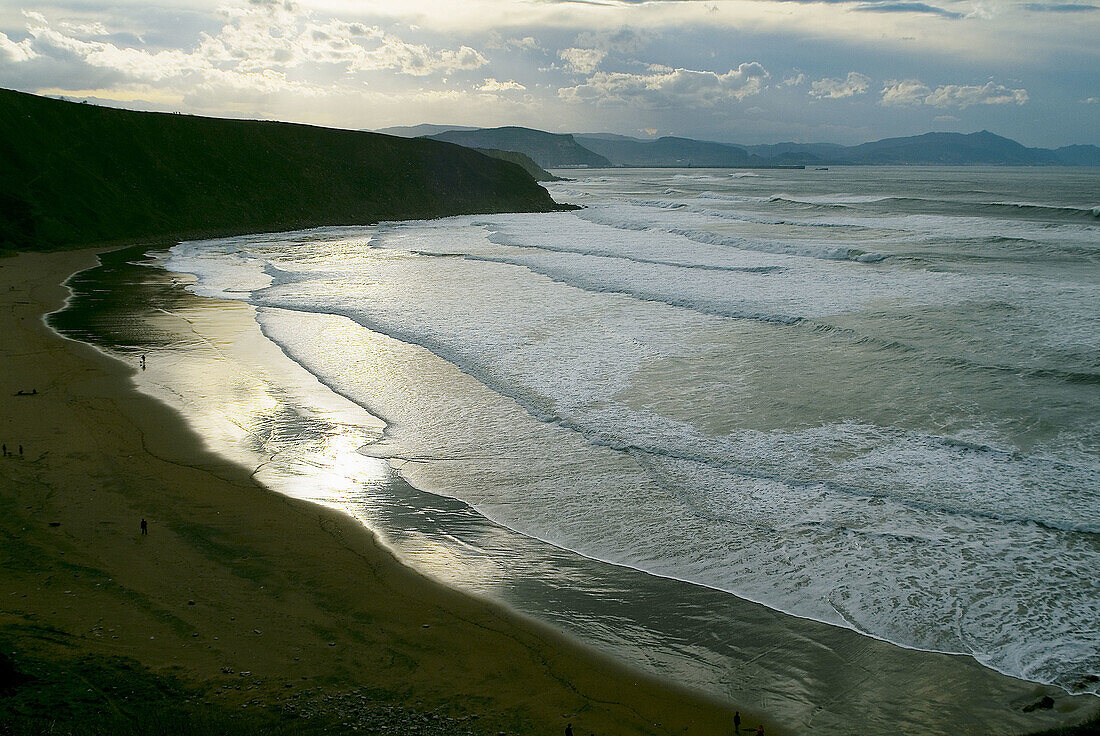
<point x="235" y="579"/>
<point x="864" y="671"/>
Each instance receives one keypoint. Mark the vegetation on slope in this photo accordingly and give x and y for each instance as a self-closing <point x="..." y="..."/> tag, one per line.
<point x="76" y="174"/>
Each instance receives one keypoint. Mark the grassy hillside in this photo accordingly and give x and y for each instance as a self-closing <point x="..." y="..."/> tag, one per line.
<point x="76" y="174"/>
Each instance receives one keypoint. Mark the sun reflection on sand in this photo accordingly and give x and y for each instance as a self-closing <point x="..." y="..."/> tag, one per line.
<point x="250" y="416"/>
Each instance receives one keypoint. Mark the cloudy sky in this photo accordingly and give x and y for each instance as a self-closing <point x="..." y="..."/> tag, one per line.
<point x="750" y="71"/>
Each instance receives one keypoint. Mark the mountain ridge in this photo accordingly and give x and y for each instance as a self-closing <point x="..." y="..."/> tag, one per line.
<point x="933" y="148"/>
<point x="548" y="150"/>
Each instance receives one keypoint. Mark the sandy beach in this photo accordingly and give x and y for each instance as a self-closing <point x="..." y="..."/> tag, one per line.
<point x="233" y="580"/>
<point x="263" y="602"/>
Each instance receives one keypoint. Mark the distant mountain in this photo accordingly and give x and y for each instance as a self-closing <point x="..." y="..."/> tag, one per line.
<point x="548" y="150"/>
<point x="551" y="150"/>
<point x="1078" y="155"/>
<point x="76" y="174"/>
<point x="667" y="151"/>
<point x="951" y="149"/>
<point x="418" y="131"/>
<point x="931" y="148"/>
<point x="612" y="137"/>
<point x="797" y="153"/>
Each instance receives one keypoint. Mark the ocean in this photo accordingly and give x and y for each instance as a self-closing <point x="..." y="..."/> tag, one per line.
<point x="862" y="396"/>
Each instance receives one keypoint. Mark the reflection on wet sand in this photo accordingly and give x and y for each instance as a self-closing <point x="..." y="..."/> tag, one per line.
<point x="261" y="409"/>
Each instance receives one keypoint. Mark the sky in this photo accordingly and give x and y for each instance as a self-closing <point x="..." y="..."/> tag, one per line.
<point x="743" y="71"/>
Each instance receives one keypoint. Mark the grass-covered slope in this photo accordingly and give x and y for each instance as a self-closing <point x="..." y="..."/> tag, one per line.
<point x="77" y="174"/>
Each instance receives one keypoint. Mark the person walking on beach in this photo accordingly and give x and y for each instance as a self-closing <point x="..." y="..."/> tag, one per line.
<point x="737" y="721"/>
<point x="5" y="449"/>
<point x="144" y="527"/>
<point x="143" y="362"/>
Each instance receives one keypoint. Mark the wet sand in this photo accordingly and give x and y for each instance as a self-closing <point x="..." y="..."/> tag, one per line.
<point x="233" y="578"/>
<point x="304" y="577"/>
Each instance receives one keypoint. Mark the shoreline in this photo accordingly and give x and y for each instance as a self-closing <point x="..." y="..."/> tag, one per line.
<point x="842" y="650"/>
<point x="233" y="578"/>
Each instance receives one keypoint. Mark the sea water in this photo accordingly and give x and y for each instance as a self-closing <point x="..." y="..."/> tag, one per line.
<point x="864" y="396"/>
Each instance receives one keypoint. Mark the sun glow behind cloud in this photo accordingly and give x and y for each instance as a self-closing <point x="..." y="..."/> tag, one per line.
<point x="736" y="70"/>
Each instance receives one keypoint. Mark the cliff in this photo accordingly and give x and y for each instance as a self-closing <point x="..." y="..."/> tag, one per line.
<point x="77" y="174"/>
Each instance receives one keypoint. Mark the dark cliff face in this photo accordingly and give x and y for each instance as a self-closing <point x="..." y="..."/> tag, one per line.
<point x="76" y="174"/>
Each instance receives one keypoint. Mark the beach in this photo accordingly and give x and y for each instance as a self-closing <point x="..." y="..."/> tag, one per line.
<point x="237" y="584"/>
<point x="233" y="580"/>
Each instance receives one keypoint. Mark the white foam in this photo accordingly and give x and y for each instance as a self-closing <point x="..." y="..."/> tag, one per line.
<point x="852" y="443"/>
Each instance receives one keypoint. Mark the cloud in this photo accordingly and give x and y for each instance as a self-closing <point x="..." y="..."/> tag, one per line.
<point x="272" y="34"/>
<point x="492" y="85"/>
<point x="257" y="48"/>
<point x="666" y="88"/>
<point x="912" y="92"/>
<point x="85" y="29"/>
<point x="1059" y="7"/>
<point x="963" y="96"/>
<point x="885" y="6"/>
<point x="415" y="59"/>
<point x="907" y="7"/>
<point x="1090" y="101"/>
<point x="795" y="81"/>
<point x="16" y="52"/>
<point x="623" y="40"/>
<point x="527" y="43"/>
<point x="582" y="61"/>
<point x="835" y="89"/>
<point x="903" y="93"/>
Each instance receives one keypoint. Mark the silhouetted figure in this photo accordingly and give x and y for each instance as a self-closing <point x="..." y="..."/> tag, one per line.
<point x="569" y="729"/>
<point x="5" y="448"/>
<point x="144" y="527"/>
<point x="760" y="730"/>
<point x="143" y="362"/>
<point x="20" y="450"/>
<point x="737" y="721"/>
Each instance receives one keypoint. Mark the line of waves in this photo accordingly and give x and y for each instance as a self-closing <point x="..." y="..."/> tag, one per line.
<point x="1032" y="240"/>
<point x="700" y="470"/>
<point x="794" y="248"/>
<point x="594" y="285"/>
<point x="849" y="201"/>
<point x="609" y="439"/>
